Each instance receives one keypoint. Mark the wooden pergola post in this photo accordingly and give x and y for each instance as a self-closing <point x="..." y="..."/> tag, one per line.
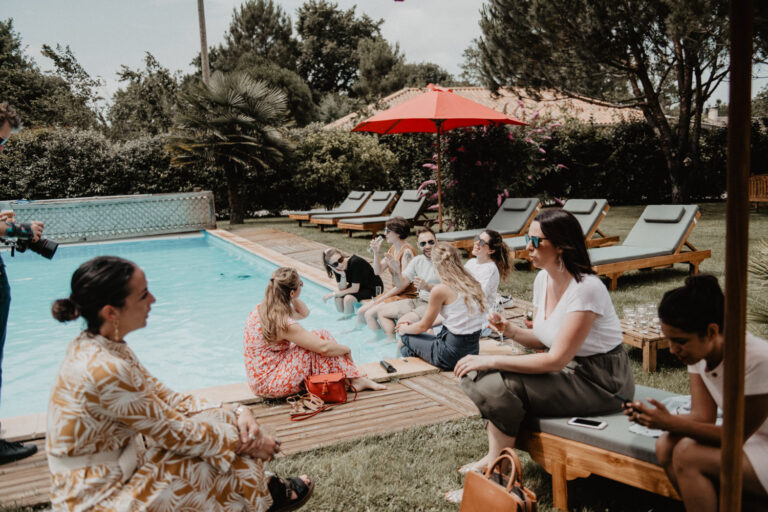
<point x="737" y="246"/>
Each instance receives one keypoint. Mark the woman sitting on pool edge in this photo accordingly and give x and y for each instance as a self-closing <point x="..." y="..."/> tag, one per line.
<point x="689" y="451"/>
<point x="200" y="456"/>
<point x="574" y="318"/>
<point x="280" y="353"/>
<point x="459" y="299"/>
<point x="355" y="276"/>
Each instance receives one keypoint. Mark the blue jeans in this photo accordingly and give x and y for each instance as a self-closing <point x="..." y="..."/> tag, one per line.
<point x="5" y="305"/>
<point x="442" y="350"/>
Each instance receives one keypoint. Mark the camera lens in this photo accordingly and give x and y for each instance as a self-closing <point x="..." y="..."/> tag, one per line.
<point x="44" y="247"/>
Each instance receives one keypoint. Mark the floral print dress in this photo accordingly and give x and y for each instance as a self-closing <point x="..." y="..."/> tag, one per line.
<point x="278" y="369"/>
<point x="101" y="400"/>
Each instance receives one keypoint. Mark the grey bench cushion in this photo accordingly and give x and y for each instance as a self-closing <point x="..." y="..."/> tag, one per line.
<point x="510" y="219"/>
<point x="587" y="211"/>
<point x="616" y="437"/>
<point x="375" y="206"/>
<point x="670" y="213"/>
<point x="516" y="243"/>
<point x="351" y="204"/>
<point x="580" y="206"/>
<point x="367" y="220"/>
<point x="614" y="253"/>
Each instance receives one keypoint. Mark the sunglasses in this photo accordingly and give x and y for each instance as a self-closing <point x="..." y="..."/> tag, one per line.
<point x="479" y="241"/>
<point x="2" y="143"/>
<point x="336" y="263"/>
<point x="535" y="240"/>
<point x="430" y="242"/>
<point x="301" y="283"/>
<point x="387" y="231"/>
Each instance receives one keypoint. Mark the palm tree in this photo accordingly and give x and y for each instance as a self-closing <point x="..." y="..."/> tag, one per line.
<point x="230" y="125"/>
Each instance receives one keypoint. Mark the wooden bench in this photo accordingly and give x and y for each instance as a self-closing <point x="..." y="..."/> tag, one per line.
<point x="568" y="452"/>
<point x="758" y="190"/>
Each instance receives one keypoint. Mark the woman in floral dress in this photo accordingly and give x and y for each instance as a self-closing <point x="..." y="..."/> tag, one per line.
<point x="105" y="406"/>
<point x="280" y="353"/>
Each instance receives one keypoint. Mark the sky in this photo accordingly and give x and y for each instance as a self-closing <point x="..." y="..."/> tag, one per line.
<point x="103" y="34"/>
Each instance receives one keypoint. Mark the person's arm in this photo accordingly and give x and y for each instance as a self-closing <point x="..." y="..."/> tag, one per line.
<point x="24" y="230"/>
<point x="437" y="298"/>
<point x="567" y="343"/>
<point x="396" y="267"/>
<point x="525" y="337"/>
<point x="300" y="309"/>
<point x="297" y="335"/>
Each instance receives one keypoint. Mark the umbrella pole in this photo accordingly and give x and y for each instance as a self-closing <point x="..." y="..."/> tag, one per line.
<point x="737" y="239"/>
<point x="439" y="123"/>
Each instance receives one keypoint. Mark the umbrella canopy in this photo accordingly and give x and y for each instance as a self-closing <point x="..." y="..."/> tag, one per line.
<point x="436" y="111"/>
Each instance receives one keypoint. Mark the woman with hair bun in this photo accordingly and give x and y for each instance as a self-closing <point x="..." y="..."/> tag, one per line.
<point x="200" y="456"/>
<point x="280" y="353"/>
<point x="689" y="451"/>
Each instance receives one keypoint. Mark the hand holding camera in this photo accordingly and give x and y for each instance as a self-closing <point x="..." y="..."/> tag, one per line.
<point x="28" y="235"/>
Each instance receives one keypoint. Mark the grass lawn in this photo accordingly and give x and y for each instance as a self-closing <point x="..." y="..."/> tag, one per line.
<point x="411" y="470"/>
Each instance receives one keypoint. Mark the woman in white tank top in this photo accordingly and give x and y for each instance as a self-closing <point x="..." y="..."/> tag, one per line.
<point x="459" y="299"/>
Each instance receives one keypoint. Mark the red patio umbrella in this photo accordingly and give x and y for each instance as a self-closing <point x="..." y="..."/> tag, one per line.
<point x="436" y="111"/>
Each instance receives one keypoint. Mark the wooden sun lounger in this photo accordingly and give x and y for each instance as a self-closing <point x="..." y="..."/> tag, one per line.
<point x="512" y="219"/>
<point x="567" y="452"/>
<point x="657" y="240"/>
<point x="352" y="203"/>
<point x="409" y="206"/>
<point x="758" y="190"/>
<point x="589" y="213"/>
<point x="379" y="203"/>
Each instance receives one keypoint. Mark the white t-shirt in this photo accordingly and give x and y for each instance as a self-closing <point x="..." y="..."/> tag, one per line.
<point x="487" y="274"/>
<point x="588" y="295"/>
<point x="458" y="319"/>
<point x="422" y="267"/>
<point x="755" y="383"/>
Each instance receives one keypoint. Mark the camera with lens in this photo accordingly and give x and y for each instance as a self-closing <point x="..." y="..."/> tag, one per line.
<point x="22" y="241"/>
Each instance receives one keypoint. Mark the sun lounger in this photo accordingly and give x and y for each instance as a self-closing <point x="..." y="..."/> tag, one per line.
<point x="656" y="241"/>
<point x="567" y="452"/>
<point x="353" y="202"/>
<point x="409" y="206"/>
<point x="589" y="213"/>
<point x="512" y="219"/>
<point x="377" y="205"/>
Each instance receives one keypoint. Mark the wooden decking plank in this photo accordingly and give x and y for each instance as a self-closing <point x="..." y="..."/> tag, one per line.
<point x="441" y="394"/>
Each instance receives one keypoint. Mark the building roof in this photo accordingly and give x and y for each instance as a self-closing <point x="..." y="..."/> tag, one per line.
<point x="514" y="102"/>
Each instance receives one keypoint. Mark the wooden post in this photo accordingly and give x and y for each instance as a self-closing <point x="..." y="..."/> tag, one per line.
<point x="204" y="65"/>
<point x="737" y="239"/>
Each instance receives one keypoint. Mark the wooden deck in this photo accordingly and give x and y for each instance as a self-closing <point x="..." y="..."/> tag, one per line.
<point x="423" y="399"/>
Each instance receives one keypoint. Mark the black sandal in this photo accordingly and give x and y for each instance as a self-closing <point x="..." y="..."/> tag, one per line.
<point x="282" y="490"/>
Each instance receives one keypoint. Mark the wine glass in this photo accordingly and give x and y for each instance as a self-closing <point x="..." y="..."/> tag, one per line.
<point x="498" y="307"/>
<point x="378" y="240"/>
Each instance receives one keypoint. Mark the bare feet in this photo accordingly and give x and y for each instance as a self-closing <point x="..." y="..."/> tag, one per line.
<point x="477" y="466"/>
<point x="363" y="383"/>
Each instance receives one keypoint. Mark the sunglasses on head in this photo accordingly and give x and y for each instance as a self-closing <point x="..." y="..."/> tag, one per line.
<point x="430" y="242"/>
<point x="480" y="241"/>
<point x="535" y="240"/>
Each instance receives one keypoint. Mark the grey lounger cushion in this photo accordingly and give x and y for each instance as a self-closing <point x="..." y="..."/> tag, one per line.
<point x="616" y="437"/>
<point x="375" y="207"/>
<point x="586" y="211"/>
<point x="351" y="204"/>
<point x="408" y="207"/>
<point x="510" y="218"/>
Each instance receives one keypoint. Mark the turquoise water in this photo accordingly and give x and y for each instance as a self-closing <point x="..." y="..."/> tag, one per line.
<point x="205" y="289"/>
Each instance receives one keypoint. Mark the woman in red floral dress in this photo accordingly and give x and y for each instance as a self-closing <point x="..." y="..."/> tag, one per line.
<point x="280" y="353"/>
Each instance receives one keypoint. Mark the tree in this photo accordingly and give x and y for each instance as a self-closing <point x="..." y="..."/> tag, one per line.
<point x="41" y="99"/>
<point x="378" y="66"/>
<point x="328" y="57"/>
<point x="84" y="100"/>
<point x="260" y="28"/>
<point x="471" y="70"/>
<point x="760" y="104"/>
<point x="231" y="126"/>
<point x="424" y="73"/>
<point x="146" y="105"/>
<point x="665" y="54"/>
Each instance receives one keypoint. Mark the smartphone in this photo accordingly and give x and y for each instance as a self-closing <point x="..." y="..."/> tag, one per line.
<point x="387" y="366"/>
<point x="587" y="423"/>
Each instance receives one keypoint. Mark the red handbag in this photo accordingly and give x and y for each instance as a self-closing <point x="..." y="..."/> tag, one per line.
<point x="322" y="389"/>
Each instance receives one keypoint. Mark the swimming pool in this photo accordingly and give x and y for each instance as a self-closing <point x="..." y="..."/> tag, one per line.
<point x="205" y="288"/>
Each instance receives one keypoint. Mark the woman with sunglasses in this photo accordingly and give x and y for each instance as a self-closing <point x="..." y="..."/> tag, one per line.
<point x="689" y="451"/>
<point x="581" y="367"/>
<point x="491" y="262"/>
<point x="280" y="353"/>
<point x="460" y="301"/>
<point x="397" y="258"/>
<point x="356" y="279"/>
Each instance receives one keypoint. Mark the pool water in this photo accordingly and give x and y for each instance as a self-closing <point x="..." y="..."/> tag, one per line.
<point x="205" y="288"/>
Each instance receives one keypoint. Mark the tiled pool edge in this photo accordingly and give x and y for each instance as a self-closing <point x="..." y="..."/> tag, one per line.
<point x="306" y="271"/>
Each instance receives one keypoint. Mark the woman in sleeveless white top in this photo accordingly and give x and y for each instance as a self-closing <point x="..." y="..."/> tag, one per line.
<point x="460" y="300"/>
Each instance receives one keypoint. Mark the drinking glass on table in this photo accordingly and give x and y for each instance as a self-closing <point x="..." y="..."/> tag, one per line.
<point x="630" y="315"/>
